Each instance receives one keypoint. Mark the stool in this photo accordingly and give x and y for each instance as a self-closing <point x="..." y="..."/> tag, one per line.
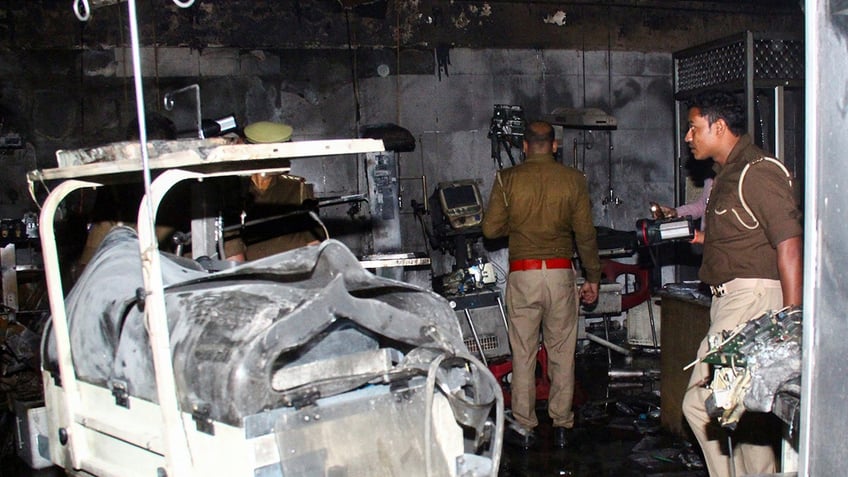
<point x="502" y="370"/>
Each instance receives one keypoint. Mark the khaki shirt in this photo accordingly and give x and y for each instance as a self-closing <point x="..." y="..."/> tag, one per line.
<point x="277" y="195"/>
<point x="544" y="208"/>
<point x="737" y="244"/>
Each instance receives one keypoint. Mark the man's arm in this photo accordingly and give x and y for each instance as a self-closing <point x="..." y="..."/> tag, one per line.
<point x="697" y="207"/>
<point x="585" y="235"/>
<point x="790" y="264"/>
<point x="496" y="217"/>
<point x="780" y="218"/>
<point x="587" y="245"/>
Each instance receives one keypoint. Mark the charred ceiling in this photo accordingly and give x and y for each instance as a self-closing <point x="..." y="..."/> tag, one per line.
<point x="647" y="25"/>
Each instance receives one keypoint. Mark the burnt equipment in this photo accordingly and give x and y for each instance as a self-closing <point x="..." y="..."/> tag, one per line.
<point x="456" y="223"/>
<point x="506" y="131"/>
<point x="461" y="203"/>
<point x="456" y="229"/>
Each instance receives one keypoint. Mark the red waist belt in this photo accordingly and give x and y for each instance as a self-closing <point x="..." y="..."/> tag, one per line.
<point x="536" y="264"/>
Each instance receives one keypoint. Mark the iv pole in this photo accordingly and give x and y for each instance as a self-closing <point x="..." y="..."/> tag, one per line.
<point x="177" y="455"/>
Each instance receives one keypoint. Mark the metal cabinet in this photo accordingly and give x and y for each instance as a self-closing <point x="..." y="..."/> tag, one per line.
<point x="768" y="70"/>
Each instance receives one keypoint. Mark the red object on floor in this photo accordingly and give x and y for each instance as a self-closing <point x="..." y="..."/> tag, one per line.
<point x="503" y="372"/>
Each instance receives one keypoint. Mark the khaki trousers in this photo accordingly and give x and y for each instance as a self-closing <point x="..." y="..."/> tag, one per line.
<point x="756" y="433"/>
<point x="542" y="300"/>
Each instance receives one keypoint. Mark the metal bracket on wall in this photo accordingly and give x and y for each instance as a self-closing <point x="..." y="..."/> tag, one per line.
<point x="169" y="104"/>
<point x="424" y="199"/>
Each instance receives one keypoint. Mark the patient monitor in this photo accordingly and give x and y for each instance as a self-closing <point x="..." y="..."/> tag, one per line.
<point x="461" y="203"/>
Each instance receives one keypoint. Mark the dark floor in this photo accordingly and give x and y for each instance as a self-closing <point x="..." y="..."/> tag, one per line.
<point x="617" y="433"/>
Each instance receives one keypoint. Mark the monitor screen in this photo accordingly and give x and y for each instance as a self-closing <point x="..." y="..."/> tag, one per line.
<point x="461" y="195"/>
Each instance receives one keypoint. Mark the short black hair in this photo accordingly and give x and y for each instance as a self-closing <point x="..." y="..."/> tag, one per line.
<point x="539" y="133"/>
<point x="715" y="105"/>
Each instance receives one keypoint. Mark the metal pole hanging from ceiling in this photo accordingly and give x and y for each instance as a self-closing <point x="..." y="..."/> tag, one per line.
<point x="177" y="456"/>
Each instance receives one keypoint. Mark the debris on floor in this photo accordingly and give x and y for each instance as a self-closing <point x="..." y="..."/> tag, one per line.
<point x="617" y="431"/>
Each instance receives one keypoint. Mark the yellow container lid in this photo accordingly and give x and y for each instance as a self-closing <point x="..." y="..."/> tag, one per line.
<point x="262" y="132"/>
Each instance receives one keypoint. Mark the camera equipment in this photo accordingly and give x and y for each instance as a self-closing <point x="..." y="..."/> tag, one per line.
<point x="654" y="232"/>
<point x="508" y="121"/>
<point x="506" y="131"/>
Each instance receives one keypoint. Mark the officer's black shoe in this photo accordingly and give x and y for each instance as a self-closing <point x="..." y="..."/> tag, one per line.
<point x="562" y="437"/>
<point x="522" y="440"/>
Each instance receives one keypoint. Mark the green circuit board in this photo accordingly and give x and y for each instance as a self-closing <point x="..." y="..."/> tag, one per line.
<point x="732" y="348"/>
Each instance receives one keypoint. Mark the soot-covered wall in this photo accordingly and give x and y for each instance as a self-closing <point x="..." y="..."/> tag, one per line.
<point x="436" y="68"/>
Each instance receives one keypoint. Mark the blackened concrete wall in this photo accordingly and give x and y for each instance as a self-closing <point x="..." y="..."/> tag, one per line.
<point x="313" y="65"/>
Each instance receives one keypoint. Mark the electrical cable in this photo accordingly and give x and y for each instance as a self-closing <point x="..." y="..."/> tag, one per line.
<point x="124" y="82"/>
<point x="497" y="442"/>
<point x="611" y="198"/>
<point x="142" y="124"/>
<point x="321" y="223"/>
<point x="354" y="82"/>
<point x="424" y="232"/>
<point x="609" y="79"/>
<point x="583" y="68"/>
<point x="501" y="280"/>
<point x="31" y="188"/>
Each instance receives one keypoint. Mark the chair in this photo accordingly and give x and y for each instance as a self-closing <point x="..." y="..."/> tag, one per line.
<point x="634" y="292"/>
<point x="503" y="370"/>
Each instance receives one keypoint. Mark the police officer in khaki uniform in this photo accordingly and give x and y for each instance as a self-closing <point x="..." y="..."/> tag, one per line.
<point x="753" y="262"/>
<point x="543" y="207"/>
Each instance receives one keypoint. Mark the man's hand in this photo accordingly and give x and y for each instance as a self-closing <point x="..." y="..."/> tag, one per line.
<point x="589" y="293"/>
<point x="698" y="238"/>
<point x="663" y="212"/>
